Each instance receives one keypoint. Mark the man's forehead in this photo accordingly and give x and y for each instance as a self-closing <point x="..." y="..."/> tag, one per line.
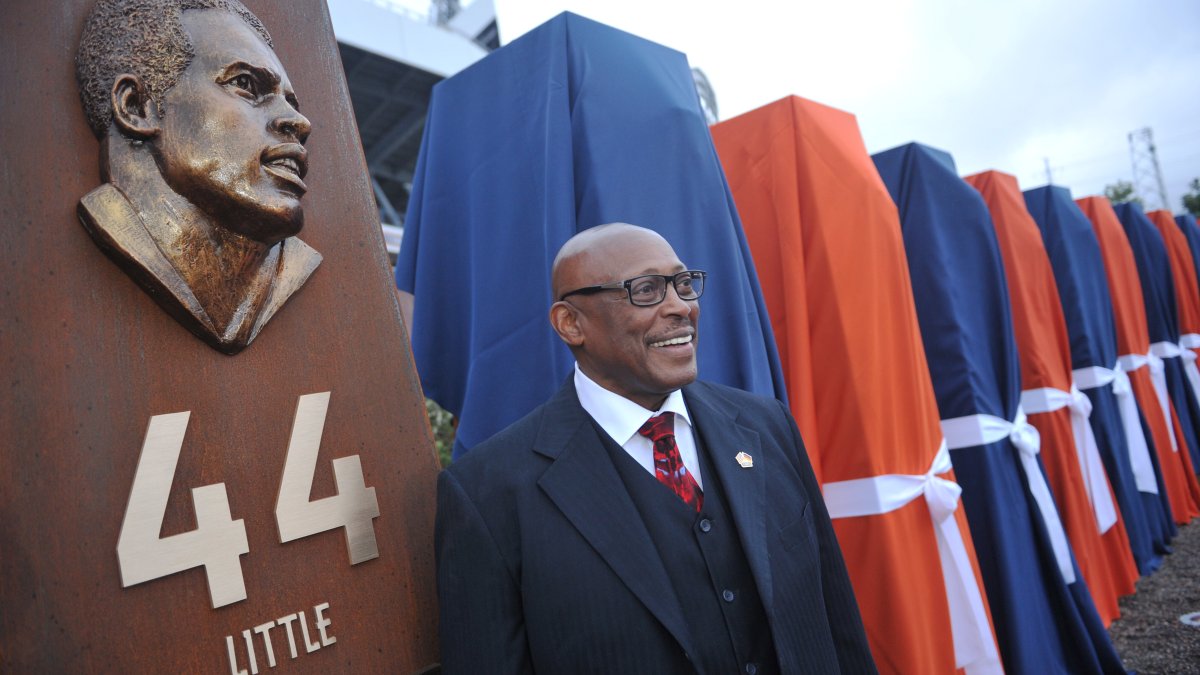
<point x="220" y="38"/>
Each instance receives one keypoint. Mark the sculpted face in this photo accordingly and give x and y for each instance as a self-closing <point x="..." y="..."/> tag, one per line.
<point x="621" y="346"/>
<point x="232" y="138"/>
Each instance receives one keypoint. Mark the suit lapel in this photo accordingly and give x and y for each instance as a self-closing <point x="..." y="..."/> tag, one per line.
<point x="585" y="486"/>
<point x="723" y="437"/>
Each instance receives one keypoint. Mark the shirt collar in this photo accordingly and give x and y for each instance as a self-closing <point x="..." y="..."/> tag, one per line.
<point x="618" y="416"/>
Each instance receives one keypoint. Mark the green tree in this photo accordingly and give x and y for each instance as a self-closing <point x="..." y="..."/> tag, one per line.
<point x="1191" y="200"/>
<point x="1122" y="192"/>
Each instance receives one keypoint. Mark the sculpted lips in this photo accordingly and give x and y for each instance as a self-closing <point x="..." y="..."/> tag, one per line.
<point x="289" y="162"/>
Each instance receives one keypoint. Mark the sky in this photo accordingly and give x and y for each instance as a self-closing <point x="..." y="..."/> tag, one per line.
<point x="1009" y="85"/>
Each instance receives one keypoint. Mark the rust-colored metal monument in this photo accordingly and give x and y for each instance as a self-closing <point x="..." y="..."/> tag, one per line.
<point x="257" y="499"/>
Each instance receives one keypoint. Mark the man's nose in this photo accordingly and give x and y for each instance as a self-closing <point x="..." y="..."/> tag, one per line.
<point x="673" y="304"/>
<point x="290" y="123"/>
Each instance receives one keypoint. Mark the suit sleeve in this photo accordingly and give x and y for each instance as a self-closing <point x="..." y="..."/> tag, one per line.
<point x="841" y="606"/>
<point x="481" y="627"/>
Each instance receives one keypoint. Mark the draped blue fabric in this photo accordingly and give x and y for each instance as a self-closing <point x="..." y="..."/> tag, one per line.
<point x="1158" y="289"/>
<point x="1042" y="625"/>
<point x="1082" y="282"/>
<point x="1187" y="224"/>
<point x="573" y="125"/>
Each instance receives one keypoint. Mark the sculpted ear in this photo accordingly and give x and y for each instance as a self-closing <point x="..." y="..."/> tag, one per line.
<point x="134" y="112"/>
<point x="564" y="318"/>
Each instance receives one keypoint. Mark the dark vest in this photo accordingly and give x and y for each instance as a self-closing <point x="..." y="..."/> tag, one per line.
<point x="707" y="567"/>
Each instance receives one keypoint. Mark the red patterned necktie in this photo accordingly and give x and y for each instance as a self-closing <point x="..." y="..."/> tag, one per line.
<point x="668" y="466"/>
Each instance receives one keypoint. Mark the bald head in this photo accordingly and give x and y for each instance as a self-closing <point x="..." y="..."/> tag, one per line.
<point x="597" y="255"/>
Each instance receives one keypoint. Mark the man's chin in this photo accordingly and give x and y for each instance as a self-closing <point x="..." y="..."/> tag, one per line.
<point x="678" y="378"/>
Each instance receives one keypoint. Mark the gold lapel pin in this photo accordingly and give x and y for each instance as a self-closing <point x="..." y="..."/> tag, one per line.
<point x="744" y="460"/>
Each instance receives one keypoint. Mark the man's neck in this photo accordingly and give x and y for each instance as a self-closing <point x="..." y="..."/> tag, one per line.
<point x="650" y="402"/>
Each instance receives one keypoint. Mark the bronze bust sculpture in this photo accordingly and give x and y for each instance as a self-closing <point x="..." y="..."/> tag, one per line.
<point x="202" y="151"/>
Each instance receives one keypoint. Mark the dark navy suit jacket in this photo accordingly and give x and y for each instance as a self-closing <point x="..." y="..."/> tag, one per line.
<point x="545" y="565"/>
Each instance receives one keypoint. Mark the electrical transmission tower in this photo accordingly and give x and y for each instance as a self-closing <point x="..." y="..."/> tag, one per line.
<point x="1147" y="176"/>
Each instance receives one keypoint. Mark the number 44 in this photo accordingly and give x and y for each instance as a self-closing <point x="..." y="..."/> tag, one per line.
<point x="219" y="541"/>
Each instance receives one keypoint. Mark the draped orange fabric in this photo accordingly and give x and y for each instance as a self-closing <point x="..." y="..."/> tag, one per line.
<point x="1133" y="338"/>
<point x="1187" y="296"/>
<point x="1187" y="302"/>
<point x="825" y="236"/>
<point x="1045" y="350"/>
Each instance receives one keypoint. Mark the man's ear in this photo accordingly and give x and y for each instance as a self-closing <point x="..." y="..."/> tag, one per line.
<point x="564" y="318"/>
<point x="134" y="112"/>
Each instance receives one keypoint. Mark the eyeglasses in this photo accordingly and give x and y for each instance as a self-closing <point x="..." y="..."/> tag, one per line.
<point x="651" y="289"/>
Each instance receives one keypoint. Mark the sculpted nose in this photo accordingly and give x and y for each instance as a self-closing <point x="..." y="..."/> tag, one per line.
<point x="292" y="125"/>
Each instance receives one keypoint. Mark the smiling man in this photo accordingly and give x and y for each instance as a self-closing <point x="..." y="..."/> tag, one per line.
<point x="640" y="521"/>
<point x="202" y="151"/>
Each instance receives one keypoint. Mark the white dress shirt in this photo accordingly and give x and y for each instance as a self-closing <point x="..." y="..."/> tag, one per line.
<point x="621" y="418"/>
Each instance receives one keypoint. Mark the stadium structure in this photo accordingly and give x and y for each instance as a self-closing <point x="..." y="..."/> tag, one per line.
<point x="393" y="53"/>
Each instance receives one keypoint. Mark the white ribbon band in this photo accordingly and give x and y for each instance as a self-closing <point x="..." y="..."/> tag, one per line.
<point x="1165" y="350"/>
<point x="1188" y="342"/>
<point x="974" y="647"/>
<point x="1139" y="451"/>
<point x="1047" y="399"/>
<point x="973" y="430"/>
<point x="1158" y="375"/>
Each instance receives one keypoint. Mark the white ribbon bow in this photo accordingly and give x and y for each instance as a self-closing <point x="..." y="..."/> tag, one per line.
<point x="1047" y="399"/>
<point x="1139" y="450"/>
<point x="1187" y="343"/>
<point x="1158" y="376"/>
<point x="972" y="430"/>
<point x="974" y="647"/>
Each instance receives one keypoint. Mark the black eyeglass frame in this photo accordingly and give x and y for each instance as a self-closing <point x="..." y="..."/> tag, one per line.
<point x="627" y="286"/>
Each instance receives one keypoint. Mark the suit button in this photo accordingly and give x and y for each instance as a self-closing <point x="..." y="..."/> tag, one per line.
<point x="727" y="594"/>
<point x="751" y="669"/>
<point x="705" y="525"/>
